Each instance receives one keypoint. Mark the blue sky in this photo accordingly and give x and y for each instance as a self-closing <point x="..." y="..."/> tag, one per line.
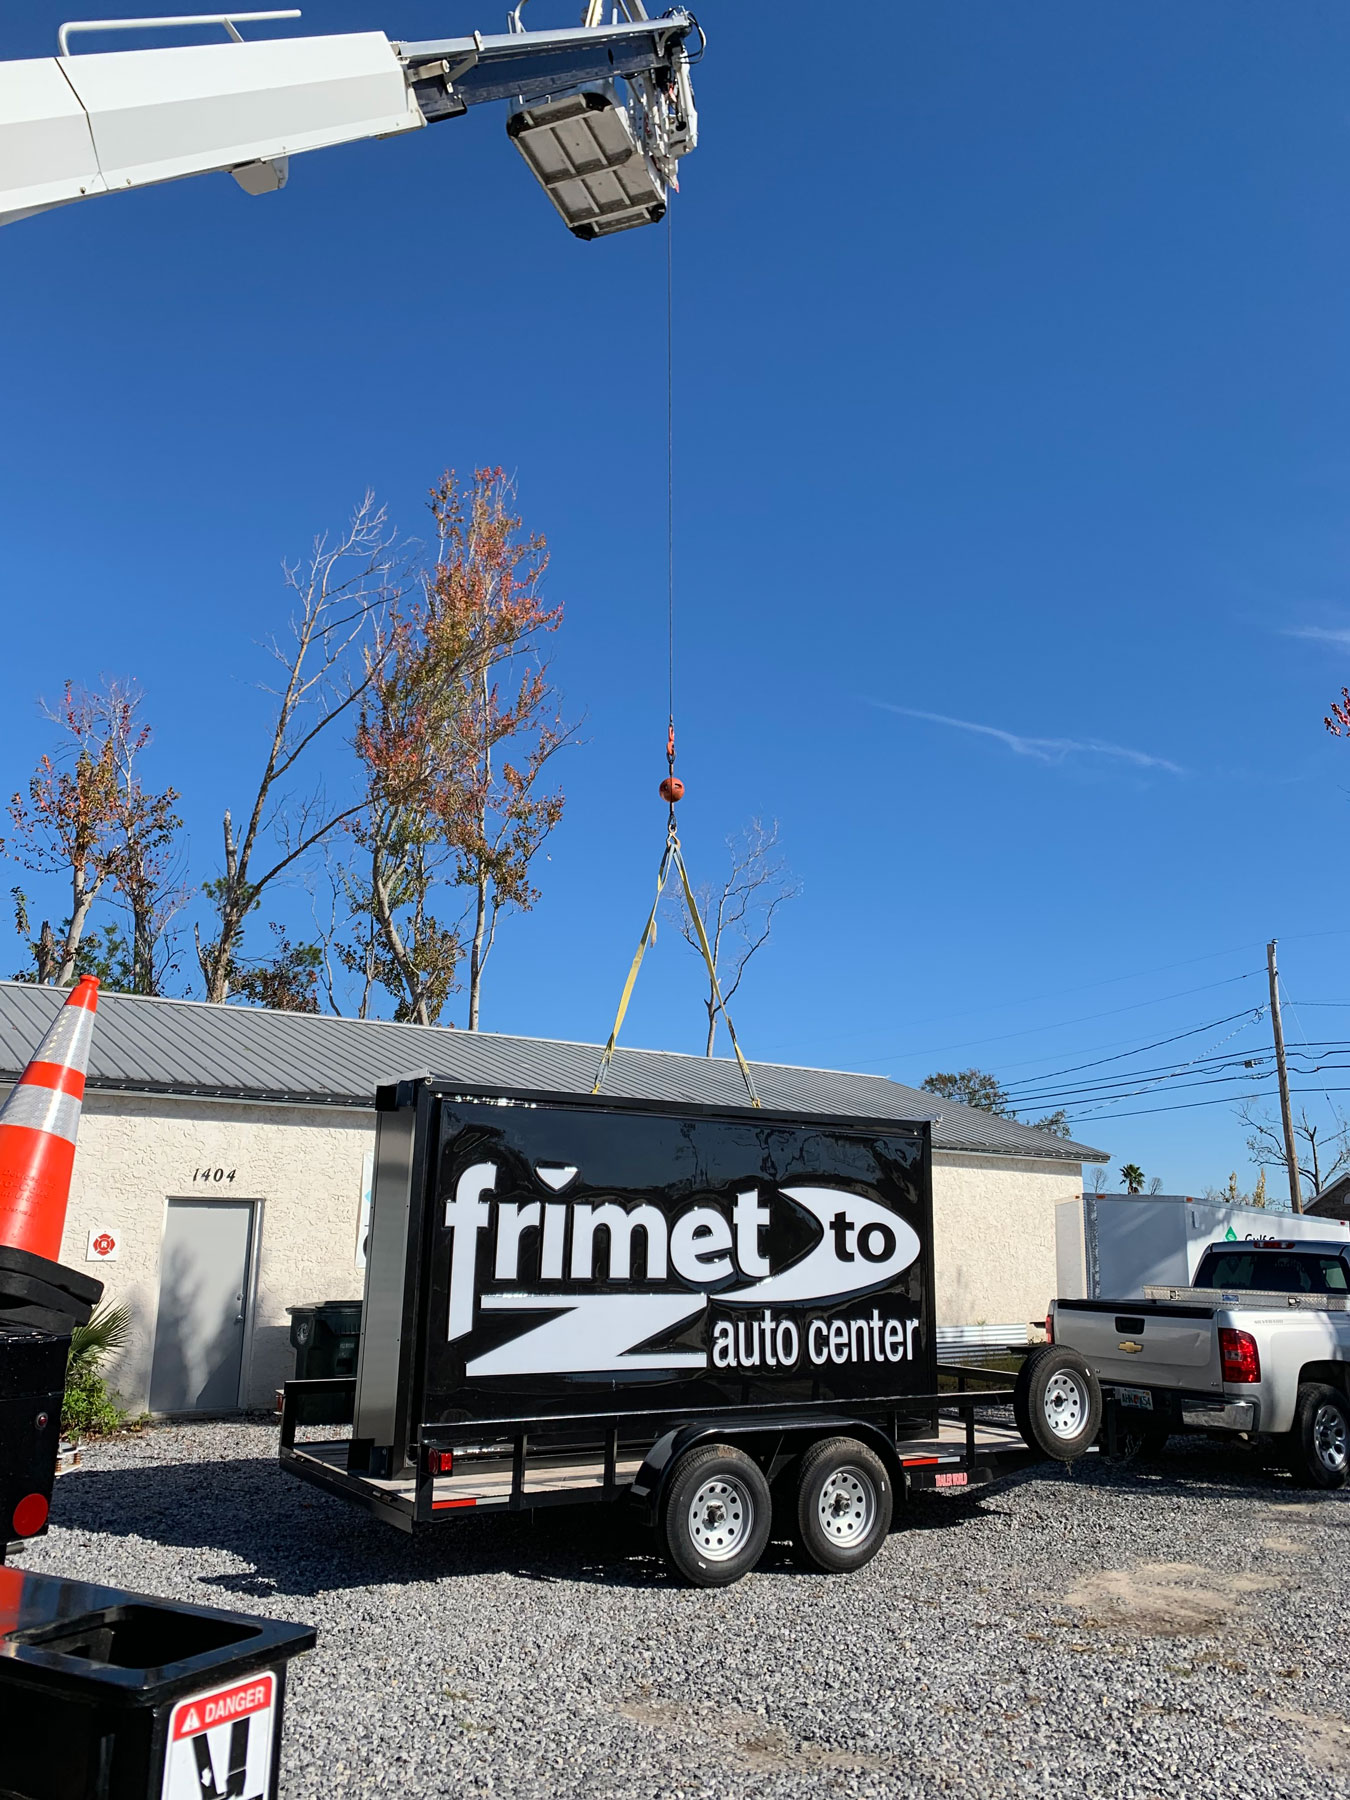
<point x="1012" y="469"/>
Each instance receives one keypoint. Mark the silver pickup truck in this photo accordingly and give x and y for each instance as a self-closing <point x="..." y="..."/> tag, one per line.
<point x="1260" y="1346"/>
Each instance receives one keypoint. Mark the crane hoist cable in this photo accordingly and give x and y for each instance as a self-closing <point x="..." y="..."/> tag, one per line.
<point x="672" y="788"/>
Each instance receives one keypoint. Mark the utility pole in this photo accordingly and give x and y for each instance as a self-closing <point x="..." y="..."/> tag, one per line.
<point x="1286" y="1112"/>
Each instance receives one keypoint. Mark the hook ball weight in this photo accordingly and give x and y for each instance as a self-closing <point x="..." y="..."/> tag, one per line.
<point x="672" y="789"/>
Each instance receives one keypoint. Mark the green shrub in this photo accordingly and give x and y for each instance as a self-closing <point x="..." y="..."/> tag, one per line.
<point x="89" y="1408"/>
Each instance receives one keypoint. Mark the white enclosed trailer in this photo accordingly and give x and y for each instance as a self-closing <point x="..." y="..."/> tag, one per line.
<point x="1113" y="1246"/>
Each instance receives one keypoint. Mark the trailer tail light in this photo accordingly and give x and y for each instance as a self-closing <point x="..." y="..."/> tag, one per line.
<point x="440" y="1462"/>
<point x="1239" y="1355"/>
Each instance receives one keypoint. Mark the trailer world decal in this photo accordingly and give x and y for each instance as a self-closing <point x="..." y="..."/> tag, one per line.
<point x="697" y="1260"/>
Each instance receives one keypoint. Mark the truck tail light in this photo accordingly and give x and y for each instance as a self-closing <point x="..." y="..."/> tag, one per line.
<point x="440" y="1462"/>
<point x="1239" y="1355"/>
<point x="1049" y="1327"/>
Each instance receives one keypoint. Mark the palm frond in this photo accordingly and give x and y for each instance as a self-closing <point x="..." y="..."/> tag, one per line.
<point x="108" y="1328"/>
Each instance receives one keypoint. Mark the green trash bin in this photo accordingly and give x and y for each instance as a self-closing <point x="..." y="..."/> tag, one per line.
<point x="326" y="1339"/>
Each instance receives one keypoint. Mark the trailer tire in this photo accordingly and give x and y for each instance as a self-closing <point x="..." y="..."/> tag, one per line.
<point x="716" y="1516"/>
<point x="1319" y="1444"/>
<point x="844" y="1503"/>
<point x="1057" y="1403"/>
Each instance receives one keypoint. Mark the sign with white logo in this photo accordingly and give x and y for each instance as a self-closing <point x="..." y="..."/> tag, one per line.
<point x="693" y="1254"/>
<point x="220" y="1743"/>
<point x="103" y="1245"/>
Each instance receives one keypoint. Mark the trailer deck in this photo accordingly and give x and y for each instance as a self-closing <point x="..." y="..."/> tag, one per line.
<point x="496" y="1469"/>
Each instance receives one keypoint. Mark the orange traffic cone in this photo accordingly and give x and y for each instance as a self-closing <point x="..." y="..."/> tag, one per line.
<point x="38" y="1126"/>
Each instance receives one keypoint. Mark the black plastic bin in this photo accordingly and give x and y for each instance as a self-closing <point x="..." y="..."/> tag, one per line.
<point x="108" y="1695"/>
<point x="40" y="1303"/>
<point x="326" y="1339"/>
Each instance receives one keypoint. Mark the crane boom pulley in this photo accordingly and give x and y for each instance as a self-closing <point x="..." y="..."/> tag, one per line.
<point x="601" y="113"/>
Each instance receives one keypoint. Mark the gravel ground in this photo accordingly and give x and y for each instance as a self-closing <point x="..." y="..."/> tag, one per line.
<point x="1174" y="1629"/>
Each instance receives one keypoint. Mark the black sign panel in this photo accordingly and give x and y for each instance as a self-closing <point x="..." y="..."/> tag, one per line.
<point x="586" y="1259"/>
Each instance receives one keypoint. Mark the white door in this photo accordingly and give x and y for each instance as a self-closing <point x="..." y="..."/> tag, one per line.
<point x="203" y="1306"/>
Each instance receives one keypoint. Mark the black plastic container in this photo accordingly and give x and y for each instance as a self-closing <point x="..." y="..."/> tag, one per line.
<point x="109" y="1695"/>
<point x="40" y="1303"/>
<point x="32" y="1383"/>
<point x="326" y="1339"/>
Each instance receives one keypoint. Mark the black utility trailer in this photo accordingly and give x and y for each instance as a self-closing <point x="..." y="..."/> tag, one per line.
<point x="723" y="1316"/>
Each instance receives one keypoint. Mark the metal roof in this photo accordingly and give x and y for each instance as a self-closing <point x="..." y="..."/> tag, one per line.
<point x="187" y="1047"/>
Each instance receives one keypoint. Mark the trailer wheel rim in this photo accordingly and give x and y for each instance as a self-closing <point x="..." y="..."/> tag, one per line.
<point x="1065" y="1404"/>
<point x="847" y="1506"/>
<point x="721" y="1518"/>
<point x="1329" y="1437"/>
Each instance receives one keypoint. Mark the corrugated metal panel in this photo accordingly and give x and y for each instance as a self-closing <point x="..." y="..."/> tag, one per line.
<point x="982" y="1337"/>
<point x="185" y="1046"/>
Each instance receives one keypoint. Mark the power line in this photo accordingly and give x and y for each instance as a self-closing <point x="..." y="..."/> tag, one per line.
<point x="1191" y="1066"/>
<point x="1071" y="1096"/>
<point x="1218" y="1100"/>
<point x="1083" y="987"/>
<point x="1094" y="1102"/>
<point x="1078" y="988"/>
<point x="1139" y="1050"/>
<point x="1230" y="1068"/>
<point x="1085" y="1019"/>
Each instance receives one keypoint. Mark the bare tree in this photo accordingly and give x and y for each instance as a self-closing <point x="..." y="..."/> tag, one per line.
<point x="342" y="591"/>
<point x="1321" y="1154"/>
<point x="738" y="917"/>
<point x="148" y="876"/>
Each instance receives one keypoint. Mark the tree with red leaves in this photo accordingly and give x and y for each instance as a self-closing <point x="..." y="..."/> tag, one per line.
<point x="88" y="817"/>
<point x="455" y="736"/>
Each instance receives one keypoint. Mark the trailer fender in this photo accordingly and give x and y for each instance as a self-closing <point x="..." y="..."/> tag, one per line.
<point x="774" y="1444"/>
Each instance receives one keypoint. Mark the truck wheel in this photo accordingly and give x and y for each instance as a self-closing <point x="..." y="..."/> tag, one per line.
<point x="716" y="1515"/>
<point x="1057" y="1403"/>
<point x="843" y="1506"/>
<point x="1319" y="1444"/>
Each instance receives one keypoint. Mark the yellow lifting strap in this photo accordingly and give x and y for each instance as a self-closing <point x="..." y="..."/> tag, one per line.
<point x="673" y="856"/>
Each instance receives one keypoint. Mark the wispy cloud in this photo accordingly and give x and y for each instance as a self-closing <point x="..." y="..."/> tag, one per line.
<point x="1041" y="749"/>
<point x="1319" y="634"/>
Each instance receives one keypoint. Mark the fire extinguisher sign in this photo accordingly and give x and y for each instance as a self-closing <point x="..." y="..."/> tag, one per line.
<point x="220" y="1743"/>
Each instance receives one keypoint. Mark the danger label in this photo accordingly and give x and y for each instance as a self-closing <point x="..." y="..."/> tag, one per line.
<point x="220" y="1743"/>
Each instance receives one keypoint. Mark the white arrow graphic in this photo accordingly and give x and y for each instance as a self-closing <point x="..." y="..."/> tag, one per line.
<point x="872" y="1246"/>
<point x="592" y="1334"/>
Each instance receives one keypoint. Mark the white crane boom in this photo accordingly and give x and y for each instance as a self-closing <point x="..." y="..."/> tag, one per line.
<point x="600" y="113"/>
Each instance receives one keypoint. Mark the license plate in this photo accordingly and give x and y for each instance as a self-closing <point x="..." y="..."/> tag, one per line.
<point x="1139" y="1397"/>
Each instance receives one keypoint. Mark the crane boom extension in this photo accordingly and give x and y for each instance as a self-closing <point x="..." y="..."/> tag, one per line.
<point x="600" y="113"/>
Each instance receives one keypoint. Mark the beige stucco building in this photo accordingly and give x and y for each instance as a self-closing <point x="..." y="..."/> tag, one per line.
<point x="224" y="1161"/>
